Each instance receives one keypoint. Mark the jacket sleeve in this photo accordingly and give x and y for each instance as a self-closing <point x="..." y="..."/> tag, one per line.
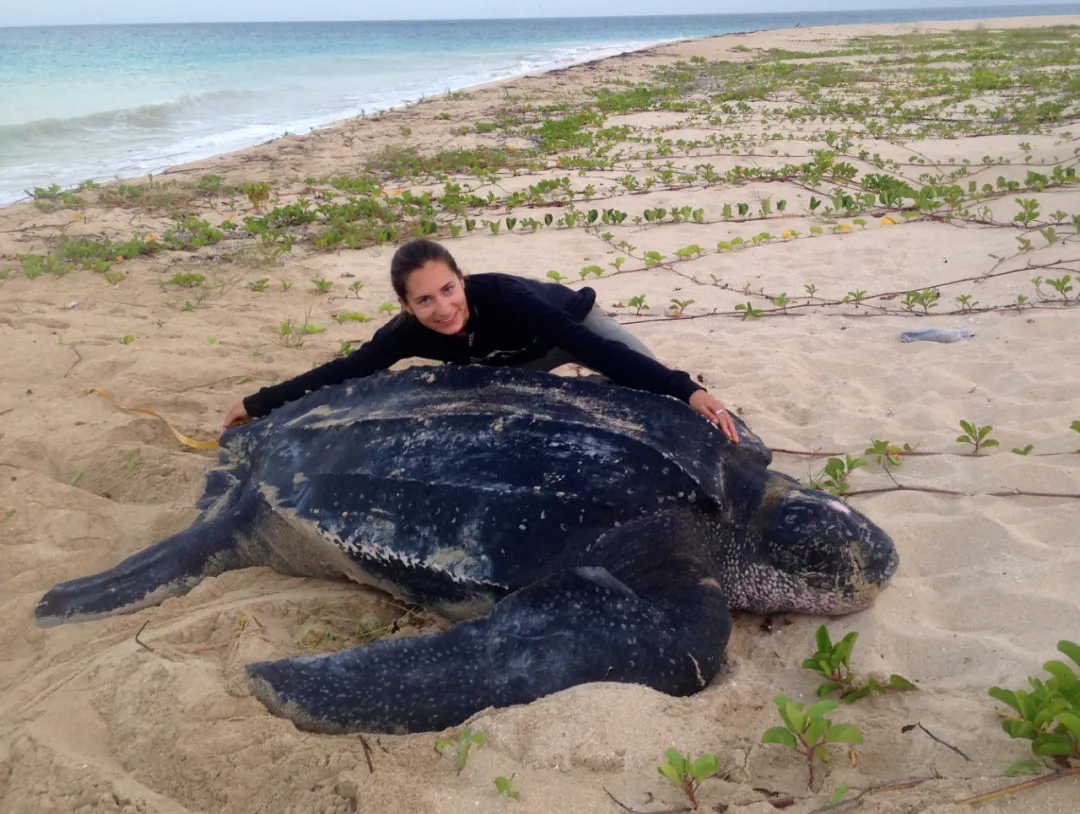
<point x="390" y="344"/>
<point x="606" y="356"/>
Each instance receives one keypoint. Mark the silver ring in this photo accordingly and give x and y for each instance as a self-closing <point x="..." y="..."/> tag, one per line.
<point x="720" y="411"/>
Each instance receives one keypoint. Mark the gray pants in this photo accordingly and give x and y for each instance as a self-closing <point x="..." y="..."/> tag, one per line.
<point x="600" y="324"/>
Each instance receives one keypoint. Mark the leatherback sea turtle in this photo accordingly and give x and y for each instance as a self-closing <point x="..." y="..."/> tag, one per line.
<point x="576" y="531"/>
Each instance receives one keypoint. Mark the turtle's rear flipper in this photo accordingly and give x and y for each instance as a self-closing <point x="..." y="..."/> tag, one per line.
<point x="170" y="567"/>
<point x="647" y="615"/>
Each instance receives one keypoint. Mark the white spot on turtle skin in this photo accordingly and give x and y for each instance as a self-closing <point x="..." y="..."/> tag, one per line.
<point x="697" y="669"/>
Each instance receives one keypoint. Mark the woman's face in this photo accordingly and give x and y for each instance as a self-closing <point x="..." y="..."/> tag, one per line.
<point x="436" y="297"/>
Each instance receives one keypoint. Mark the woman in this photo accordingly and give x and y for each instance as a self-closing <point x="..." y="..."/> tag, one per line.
<point x="493" y="319"/>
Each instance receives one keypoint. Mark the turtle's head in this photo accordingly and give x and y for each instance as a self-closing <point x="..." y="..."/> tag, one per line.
<point x="810" y="552"/>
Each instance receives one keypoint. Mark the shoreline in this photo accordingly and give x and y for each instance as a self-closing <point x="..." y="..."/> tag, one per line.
<point x="166" y="167"/>
<point x="163" y="163"/>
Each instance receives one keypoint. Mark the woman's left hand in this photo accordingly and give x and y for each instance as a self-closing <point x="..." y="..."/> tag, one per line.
<point x="713" y="409"/>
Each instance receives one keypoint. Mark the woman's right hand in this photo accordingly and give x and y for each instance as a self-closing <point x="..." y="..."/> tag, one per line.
<point x="236" y="414"/>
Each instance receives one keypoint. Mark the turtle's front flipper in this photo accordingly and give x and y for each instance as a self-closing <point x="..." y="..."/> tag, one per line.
<point x="170" y="567"/>
<point x="636" y="611"/>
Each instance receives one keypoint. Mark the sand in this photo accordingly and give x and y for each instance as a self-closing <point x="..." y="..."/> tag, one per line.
<point x="93" y="720"/>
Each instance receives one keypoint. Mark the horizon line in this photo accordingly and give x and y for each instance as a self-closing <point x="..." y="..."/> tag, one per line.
<point x="973" y="8"/>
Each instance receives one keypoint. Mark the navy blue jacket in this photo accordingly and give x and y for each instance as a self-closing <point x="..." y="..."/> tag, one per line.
<point x="512" y="321"/>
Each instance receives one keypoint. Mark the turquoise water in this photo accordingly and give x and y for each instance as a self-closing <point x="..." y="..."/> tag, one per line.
<point x="98" y="102"/>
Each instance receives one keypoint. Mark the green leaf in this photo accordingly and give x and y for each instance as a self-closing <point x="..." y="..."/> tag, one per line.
<point x="1027" y="731"/>
<point x="1071" y="649"/>
<point x="838" y="795"/>
<point x="901" y="683"/>
<point x="847" y="644"/>
<point x="1007" y="697"/>
<point x="442" y="744"/>
<point x="1024" y="767"/>
<point x="793" y="717"/>
<point x="852" y="696"/>
<point x="1071" y="722"/>
<point x="1047" y="714"/>
<point x="824" y="643"/>
<point x="1027" y="705"/>
<point x="1060" y="670"/>
<point x="668" y="771"/>
<point x="676" y="759"/>
<point x="504" y="786"/>
<point x="704" y="766"/>
<point x="1019" y="729"/>
<point x="820" y="708"/>
<point x="779" y="735"/>
<point x="817" y="728"/>
<point x="828" y="687"/>
<point x="822" y="752"/>
<point x="1051" y="743"/>
<point x="479" y="738"/>
<point x="843" y="733"/>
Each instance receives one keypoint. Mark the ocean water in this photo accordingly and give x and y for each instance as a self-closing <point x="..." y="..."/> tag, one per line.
<point x="98" y="102"/>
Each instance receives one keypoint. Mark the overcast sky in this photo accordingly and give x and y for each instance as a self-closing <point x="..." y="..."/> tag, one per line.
<point x="77" y="12"/>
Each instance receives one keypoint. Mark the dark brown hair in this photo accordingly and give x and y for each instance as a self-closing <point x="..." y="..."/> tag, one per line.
<point x="412" y="255"/>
